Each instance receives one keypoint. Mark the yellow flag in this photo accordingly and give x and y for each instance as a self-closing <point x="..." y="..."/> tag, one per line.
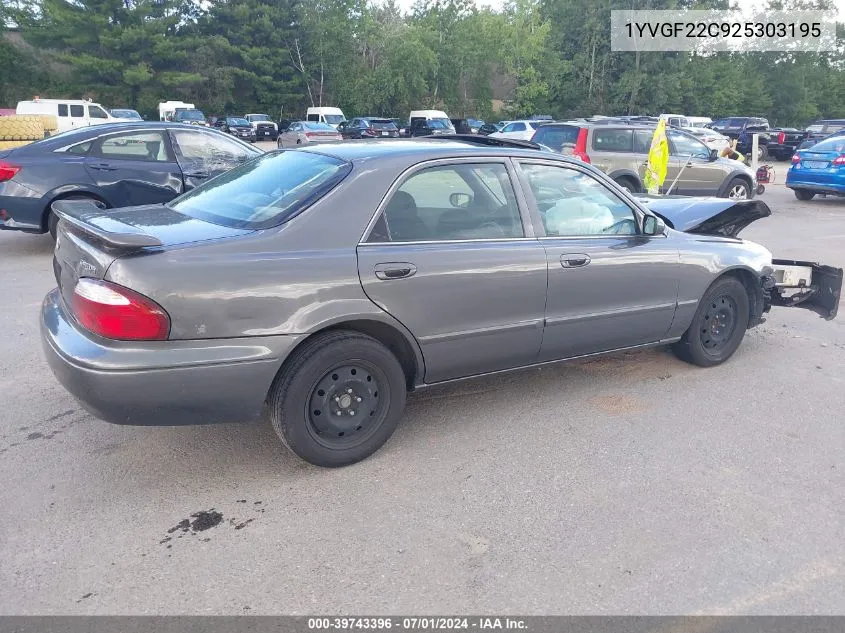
<point x="658" y="159"/>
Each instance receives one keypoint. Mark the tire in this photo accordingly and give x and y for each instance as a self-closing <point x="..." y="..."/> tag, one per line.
<point x="13" y="144"/>
<point x="21" y="128"/>
<point x="53" y="220"/>
<point x="736" y="186"/>
<point x="762" y="152"/>
<point x="718" y="326"/>
<point x="306" y="396"/>
<point x="627" y="184"/>
<point x="803" y="194"/>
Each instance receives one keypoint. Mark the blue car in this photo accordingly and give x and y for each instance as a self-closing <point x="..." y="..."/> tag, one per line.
<point x="113" y="165"/>
<point x="819" y="169"/>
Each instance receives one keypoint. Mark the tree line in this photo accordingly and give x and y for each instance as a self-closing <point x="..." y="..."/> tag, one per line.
<point x="369" y="57"/>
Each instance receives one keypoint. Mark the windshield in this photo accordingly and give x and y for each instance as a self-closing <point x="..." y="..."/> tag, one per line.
<point x="236" y="121"/>
<point x="439" y="124"/>
<point x="258" y="117"/>
<point x="190" y="115"/>
<point x="557" y="136"/>
<point x="126" y="114"/>
<point x="264" y="192"/>
<point x="334" y="119"/>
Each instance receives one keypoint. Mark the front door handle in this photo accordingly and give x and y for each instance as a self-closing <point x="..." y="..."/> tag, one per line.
<point x="103" y="167"/>
<point x="196" y="174"/>
<point x="574" y="261"/>
<point x="395" y="270"/>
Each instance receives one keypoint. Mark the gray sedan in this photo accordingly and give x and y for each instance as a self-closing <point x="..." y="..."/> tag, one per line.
<point x="306" y="133"/>
<point x="327" y="282"/>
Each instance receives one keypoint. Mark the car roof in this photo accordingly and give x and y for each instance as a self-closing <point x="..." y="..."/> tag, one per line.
<point x="422" y="149"/>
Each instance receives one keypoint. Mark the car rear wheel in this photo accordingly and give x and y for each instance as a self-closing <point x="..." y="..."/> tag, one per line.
<point x="53" y="219"/>
<point x="762" y="152"/>
<point x="339" y="400"/>
<point x="718" y="326"/>
<point x="738" y="189"/>
<point x="803" y="194"/>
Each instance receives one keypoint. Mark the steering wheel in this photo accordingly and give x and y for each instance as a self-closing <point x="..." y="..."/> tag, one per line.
<point x="617" y="227"/>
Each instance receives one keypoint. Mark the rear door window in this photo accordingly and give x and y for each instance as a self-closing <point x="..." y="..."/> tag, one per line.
<point x="264" y="192"/>
<point x="613" y="140"/>
<point x="452" y="202"/>
<point x="144" y="146"/>
<point x="62" y="109"/>
<point x="642" y="141"/>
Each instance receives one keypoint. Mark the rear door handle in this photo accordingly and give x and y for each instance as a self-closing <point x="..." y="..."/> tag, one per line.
<point x="574" y="261"/>
<point x="395" y="270"/>
<point x="103" y="167"/>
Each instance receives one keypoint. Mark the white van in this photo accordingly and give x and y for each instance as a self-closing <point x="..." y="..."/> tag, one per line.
<point x="69" y="113"/>
<point x="166" y="109"/>
<point x="429" y="122"/>
<point x="329" y="116"/>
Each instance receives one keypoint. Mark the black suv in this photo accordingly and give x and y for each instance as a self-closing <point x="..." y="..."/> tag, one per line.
<point x="237" y="126"/>
<point x="820" y="130"/>
<point x="368" y="127"/>
<point x="742" y="128"/>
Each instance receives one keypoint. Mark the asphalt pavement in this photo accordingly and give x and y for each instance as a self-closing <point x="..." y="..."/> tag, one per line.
<point x="631" y="484"/>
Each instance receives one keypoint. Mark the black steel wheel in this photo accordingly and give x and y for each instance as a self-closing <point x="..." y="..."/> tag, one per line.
<point x="344" y="408"/>
<point x="718" y="326"/>
<point x="338" y="399"/>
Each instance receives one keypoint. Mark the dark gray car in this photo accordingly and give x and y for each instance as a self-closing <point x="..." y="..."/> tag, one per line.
<point x="326" y="282"/>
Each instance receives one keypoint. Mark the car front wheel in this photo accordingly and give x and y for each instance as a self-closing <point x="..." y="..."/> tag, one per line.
<point x="718" y="326"/>
<point x="339" y="399"/>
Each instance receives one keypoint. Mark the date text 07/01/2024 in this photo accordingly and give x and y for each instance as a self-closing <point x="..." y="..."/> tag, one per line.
<point x="415" y="623"/>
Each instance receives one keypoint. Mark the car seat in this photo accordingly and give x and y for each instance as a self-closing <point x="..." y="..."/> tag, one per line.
<point x="403" y="219"/>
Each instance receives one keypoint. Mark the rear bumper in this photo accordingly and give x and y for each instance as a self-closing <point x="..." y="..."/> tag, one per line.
<point x="161" y="383"/>
<point x="21" y="209"/>
<point x="819" y="182"/>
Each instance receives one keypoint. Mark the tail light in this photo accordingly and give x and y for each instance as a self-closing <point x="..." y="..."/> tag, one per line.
<point x="8" y="171"/>
<point x="781" y="138"/>
<point x="115" y="312"/>
<point x="310" y="135"/>
<point x="369" y="132"/>
<point x="839" y="160"/>
<point x="580" y="151"/>
<point x="796" y="158"/>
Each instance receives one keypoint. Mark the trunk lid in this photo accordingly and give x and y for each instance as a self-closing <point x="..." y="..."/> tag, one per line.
<point x="817" y="160"/>
<point x="90" y="238"/>
<point x="707" y="216"/>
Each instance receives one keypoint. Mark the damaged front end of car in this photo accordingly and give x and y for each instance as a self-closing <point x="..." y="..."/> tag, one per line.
<point x="787" y="283"/>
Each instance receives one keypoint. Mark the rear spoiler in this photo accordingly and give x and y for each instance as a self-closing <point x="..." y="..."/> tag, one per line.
<point x="86" y="216"/>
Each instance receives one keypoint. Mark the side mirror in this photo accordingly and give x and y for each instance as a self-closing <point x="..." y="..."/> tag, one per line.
<point x="460" y="200"/>
<point x="652" y="225"/>
<point x="714" y="154"/>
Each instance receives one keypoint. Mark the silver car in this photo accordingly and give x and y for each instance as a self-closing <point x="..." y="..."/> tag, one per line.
<point x="305" y="133"/>
<point x="327" y="282"/>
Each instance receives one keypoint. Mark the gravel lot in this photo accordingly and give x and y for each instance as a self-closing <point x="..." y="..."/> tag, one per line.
<point x="630" y="484"/>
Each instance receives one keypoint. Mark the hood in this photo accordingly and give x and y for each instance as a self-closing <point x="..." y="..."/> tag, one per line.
<point x="707" y="216"/>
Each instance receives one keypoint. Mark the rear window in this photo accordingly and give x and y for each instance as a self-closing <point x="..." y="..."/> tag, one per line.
<point x="836" y="144"/>
<point x="829" y="128"/>
<point x="611" y="140"/>
<point x="382" y="125"/>
<point x="735" y="122"/>
<point x="264" y="192"/>
<point x="557" y="136"/>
